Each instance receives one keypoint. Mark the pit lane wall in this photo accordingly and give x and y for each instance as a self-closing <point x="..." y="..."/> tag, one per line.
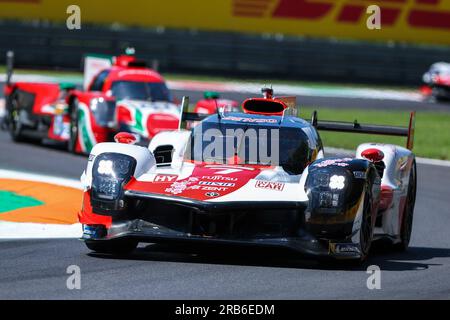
<point x="413" y="21"/>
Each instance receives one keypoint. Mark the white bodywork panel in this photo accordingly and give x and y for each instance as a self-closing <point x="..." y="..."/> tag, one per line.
<point x="92" y="67"/>
<point x="146" y="162"/>
<point x="177" y="139"/>
<point x="398" y="163"/>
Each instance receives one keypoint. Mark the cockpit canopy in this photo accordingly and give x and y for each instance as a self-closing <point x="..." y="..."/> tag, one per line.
<point x="239" y="143"/>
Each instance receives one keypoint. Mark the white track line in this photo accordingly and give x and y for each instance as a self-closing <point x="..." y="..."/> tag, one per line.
<point x="16" y="231"/>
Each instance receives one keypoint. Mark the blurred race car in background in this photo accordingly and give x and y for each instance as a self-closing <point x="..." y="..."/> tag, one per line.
<point x="178" y="190"/>
<point x="120" y="94"/>
<point x="212" y="103"/>
<point x="437" y="82"/>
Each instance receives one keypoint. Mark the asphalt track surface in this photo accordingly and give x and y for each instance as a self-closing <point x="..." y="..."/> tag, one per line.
<point x="37" y="269"/>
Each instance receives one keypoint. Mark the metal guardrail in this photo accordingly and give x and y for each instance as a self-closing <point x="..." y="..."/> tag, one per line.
<point x="47" y="45"/>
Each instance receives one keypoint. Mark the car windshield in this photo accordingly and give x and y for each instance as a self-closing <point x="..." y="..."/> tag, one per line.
<point x="148" y="91"/>
<point x="249" y="145"/>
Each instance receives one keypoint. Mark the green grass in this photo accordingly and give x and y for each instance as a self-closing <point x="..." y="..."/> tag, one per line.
<point x="432" y="137"/>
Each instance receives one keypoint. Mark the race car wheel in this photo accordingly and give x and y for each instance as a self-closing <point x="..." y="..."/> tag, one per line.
<point x="366" y="231"/>
<point x="15" y="126"/>
<point x="73" y="141"/>
<point x="408" y="213"/>
<point x="120" y="247"/>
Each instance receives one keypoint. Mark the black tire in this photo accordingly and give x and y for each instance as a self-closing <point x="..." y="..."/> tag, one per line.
<point x="116" y="247"/>
<point x="366" y="231"/>
<point x="15" y="126"/>
<point x="72" y="144"/>
<point x="408" y="213"/>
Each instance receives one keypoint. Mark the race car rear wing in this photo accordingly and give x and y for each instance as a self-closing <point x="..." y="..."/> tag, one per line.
<point x="356" y="127"/>
<point x="335" y="126"/>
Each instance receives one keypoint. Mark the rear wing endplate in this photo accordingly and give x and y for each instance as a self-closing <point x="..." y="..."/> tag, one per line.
<point x="355" y="127"/>
<point x="186" y="116"/>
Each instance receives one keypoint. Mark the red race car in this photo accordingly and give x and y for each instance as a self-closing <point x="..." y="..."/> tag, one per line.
<point x="212" y="103"/>
<point x="120" y="94"/>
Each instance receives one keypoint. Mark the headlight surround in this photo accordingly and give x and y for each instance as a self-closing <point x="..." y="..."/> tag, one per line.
<point x="103" y="111"/>
<point x="111" y="172"/>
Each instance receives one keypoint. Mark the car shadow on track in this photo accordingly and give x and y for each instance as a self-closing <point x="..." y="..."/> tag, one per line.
<point x="416" y="258"/>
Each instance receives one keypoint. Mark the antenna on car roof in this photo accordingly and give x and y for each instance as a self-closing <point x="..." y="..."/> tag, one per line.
<point x="267" y="92"/>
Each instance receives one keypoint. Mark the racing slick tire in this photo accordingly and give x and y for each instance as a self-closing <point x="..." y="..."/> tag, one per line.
<point x="115" y="247"/>
<point x="366" y="231"/>
<point x="73" y="140"/>
<point x="367" y="224"/>
<point x="408" y="213"/>
<point x="15" y="125"/>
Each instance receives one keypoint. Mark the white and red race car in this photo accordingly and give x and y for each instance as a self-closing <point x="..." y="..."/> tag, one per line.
<point x="258" y="177"/>
<point x="437" y="82"/>
<point x="120" y="94"/>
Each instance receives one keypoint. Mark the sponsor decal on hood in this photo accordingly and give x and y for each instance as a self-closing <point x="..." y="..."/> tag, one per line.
<point x="205" y="183"/>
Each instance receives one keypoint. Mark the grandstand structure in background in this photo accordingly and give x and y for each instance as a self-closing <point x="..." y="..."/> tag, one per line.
<point x="298" y="39"/>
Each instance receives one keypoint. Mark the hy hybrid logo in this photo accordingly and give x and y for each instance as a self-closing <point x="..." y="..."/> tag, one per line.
<point x="73" y="22"/>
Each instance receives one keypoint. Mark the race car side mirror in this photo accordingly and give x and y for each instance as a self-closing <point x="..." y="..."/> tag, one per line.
<point x="373" y="155"/>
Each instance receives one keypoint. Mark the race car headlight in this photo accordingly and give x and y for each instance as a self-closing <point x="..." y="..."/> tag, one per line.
<point x="103" y="111"/>
<point x="337" y="182"/>
<point x="326" y="190"/>
<point x="110" y="173"/>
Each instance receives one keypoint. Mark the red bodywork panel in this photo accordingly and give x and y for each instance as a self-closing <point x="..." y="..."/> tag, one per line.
<point x="442" y="80"/>
<point x="87" y="217"/>
<point x="161" y="122"/>
<point x="206" y="182"/>
<point x="45" y="94"/>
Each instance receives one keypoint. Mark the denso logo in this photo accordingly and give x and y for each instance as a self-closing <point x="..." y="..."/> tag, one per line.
<point x="276" y="186"/>
<point x="422" y="14"/>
